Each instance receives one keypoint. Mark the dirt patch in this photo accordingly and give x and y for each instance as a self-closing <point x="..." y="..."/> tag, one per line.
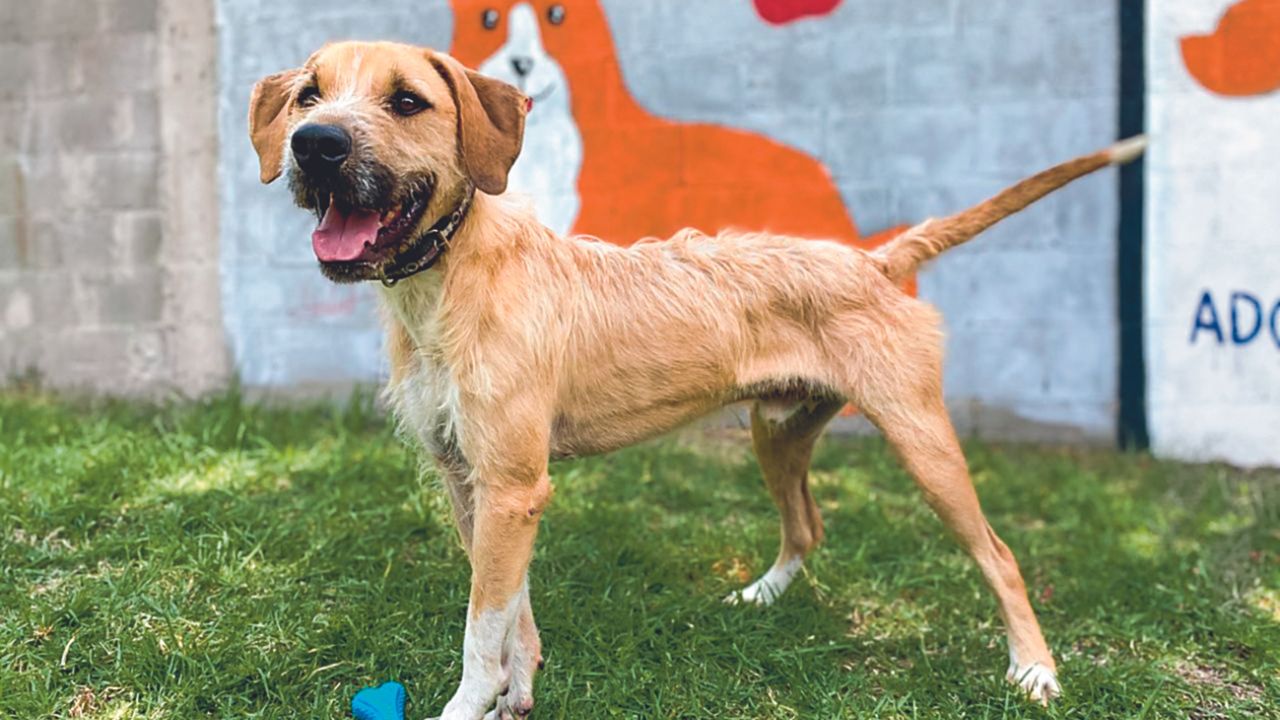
<point x="1205" y="676"/>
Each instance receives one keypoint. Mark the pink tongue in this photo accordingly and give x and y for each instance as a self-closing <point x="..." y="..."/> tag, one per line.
<point x="341" y="237"/>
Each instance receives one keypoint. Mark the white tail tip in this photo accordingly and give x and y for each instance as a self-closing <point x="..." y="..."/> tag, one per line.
<point x="1127" y="150"/>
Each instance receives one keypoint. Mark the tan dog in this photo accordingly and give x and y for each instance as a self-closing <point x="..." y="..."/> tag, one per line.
<point x="511" y="346"/>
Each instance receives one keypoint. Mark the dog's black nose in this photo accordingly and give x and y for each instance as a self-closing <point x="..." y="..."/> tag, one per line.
<point x="320" y="149"/>
<point x="522" y="65"/>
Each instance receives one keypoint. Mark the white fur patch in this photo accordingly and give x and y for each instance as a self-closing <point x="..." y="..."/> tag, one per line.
<point x="483" y="674"/>
<point x="1039" y="682"/>
<point x="770" y="586"/>
<point x="427" y="401"/>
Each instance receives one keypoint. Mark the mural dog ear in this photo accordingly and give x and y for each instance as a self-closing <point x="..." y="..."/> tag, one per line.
<point x="269" y="120"/>
<point x="491" y="117"/>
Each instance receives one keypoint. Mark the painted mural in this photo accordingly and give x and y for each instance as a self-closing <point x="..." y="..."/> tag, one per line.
<point x="1213" y="298"/>
<point x="1241" y="56"/>
<point x="822" y="118"/>
<point x="781" y="12"/>
<point x="597" y="163"/>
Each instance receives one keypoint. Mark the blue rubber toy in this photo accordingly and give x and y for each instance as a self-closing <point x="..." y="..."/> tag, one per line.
<point x="385" y="702"/>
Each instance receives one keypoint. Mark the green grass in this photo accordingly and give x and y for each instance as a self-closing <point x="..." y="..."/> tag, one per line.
<point x="223" y="560"/>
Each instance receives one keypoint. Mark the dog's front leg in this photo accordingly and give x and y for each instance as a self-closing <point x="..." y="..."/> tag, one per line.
<point x="522" y="657"/>
<point x="508" y="503"/>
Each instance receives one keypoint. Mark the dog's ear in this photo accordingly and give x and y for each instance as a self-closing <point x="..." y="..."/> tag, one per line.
<point x="269" y="118"/>
<point x="490" y="123"/>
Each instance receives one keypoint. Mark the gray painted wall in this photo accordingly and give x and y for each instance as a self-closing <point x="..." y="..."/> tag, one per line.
<point x="920" y="109"/>
<point x="286" y="325"/>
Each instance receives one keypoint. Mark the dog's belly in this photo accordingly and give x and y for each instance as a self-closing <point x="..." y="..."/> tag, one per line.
<point x="605" y="429"/>
<point x="615" y="419"/>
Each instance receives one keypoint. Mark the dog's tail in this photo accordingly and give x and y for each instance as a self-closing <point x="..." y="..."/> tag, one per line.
<point x="906" y="253"/>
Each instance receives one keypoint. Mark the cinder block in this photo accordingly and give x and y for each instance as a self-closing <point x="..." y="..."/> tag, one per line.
<point x="707" y="26"/>
<point x="699" y="83"/>
<point x="52" y="185"/>
<point x="73" y="240"/>
<point x="13" y="251"/>
<point x="128" y="16"/>
<point x="88" y="358"/>
<point x="137" y="122"/>
<point x="932" y="143"/>
<point x="58" y="18"/>
<point x="56" y="308"/>
<point x="796" y="78"/>
<point x="857" y="74"/>
<point x="125" y="181"/>
<point x="132" y="298"/>
<point x="58" y="67"/>
<point x="146" y="361"/>
<point x="12" y="186"/>
<point x="16" y="68"/>
<point x="917" y="15"/>
<point x="137" y="237"/>
<point x="74" y="124"/>
<point x="933" y="72"/>
<point x="14" y="116"/>
<point x="1082" y="55"/>
<point x="1010" y="61"/>
<point x="855" y="146"/>
<point x="115" y="63"/>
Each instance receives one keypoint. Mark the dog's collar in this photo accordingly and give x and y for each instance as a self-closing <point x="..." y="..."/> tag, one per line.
<point x="426" y="251"/>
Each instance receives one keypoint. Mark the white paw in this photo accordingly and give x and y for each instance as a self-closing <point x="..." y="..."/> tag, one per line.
<point x="767" y="589"/>
<point x="1036" y="680"/>
<point x="761" y="592"/>
<point x="505" y="711"/>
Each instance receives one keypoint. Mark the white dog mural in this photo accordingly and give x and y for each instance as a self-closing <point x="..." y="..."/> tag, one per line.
<point x="548" y="167"/>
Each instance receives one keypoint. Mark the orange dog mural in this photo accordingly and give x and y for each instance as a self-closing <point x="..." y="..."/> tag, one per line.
<point x="1242" y="56"/>
<point x="597" y="163"/>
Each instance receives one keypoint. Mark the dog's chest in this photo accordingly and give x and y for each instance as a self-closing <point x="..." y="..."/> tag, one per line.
<point x="426" y="398"/>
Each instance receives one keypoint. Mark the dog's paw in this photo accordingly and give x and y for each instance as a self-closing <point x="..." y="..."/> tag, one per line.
<point x="511" y="707"/>
<point x="769" y="587"/>
<point x="1038" y="681"/>
<point x="761" y="593"/>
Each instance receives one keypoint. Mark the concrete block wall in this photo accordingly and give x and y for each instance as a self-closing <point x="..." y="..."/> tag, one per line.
<point x="88" y="293"/>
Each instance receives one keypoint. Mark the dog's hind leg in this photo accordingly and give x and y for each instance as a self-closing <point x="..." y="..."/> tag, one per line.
<point x="783" y="446"/>
<point x="901" y="392"/>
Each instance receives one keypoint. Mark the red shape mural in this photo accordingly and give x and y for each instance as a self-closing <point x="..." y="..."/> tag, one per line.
<point x="781" y="12"/>
<point x="1242" y="56"/>
<point x="637" y="175"/>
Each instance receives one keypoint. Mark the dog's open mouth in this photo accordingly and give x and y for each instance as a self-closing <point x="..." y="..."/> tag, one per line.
<point x="366" y="236"/>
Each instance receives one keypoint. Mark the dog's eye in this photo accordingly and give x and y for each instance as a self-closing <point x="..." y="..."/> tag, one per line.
<point x="555" y="14"/>
<point x="309" y="95"/>
<point x="489" y="18"/>
<point x="406" y="103"/>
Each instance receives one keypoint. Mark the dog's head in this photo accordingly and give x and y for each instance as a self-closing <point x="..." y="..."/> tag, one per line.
<point x="380" y="140"/>
<point x="571" y="31"/>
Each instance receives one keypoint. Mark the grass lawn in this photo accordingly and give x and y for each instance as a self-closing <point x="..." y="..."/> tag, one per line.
<point x="227" y="561"/>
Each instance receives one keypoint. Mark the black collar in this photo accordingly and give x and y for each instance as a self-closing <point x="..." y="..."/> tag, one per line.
<point x="428" y="249"/>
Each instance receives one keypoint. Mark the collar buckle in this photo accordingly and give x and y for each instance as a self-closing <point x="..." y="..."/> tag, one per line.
<point x="430" y="247"/>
